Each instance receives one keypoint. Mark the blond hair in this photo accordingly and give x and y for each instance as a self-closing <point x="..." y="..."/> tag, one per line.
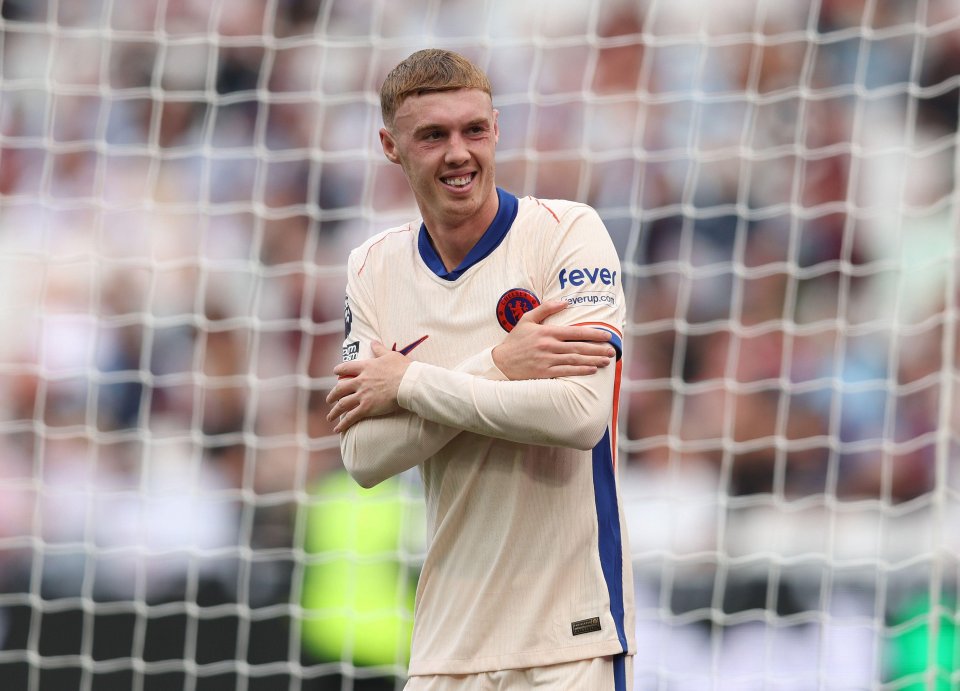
<point x="425" y="71"/>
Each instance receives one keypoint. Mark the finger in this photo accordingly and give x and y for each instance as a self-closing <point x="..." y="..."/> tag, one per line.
<point x="586" y="348"/>
<point x="580" y="333"/>
<point x="568" y="351"/>
<point x="347" y="420"/>
<point x="343" y="424"/>
<point x="343" y="387"/>
<point x="335" y="408"/>
<point x="347" y="369"/>
<point x="577" y="360"/>
<point x="342" y="406"/>
<point x="599" y="353"/>
<point x="544" y="310"/>
<point x="336" y="393"/>
<point x="599" y="362"/>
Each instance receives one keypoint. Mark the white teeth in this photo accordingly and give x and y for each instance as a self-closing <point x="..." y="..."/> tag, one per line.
<point x="458" y="182"/>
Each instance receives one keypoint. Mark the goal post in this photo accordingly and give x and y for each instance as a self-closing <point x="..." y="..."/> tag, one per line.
<point x="181" y="182"/>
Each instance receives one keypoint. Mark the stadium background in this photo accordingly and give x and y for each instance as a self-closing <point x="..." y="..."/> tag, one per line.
<point x="180" y="183"/>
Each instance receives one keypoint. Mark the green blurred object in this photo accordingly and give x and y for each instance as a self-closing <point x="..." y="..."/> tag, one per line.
<point x="357" y="595"/>
<point x="909" y="650"/>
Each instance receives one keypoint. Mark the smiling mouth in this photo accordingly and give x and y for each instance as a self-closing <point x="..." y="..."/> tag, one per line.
<point x="458" y="180"/>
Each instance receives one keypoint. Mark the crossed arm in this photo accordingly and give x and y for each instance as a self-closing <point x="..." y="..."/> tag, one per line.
<point x="400" y="439"/>
<point x="532" y="350"/>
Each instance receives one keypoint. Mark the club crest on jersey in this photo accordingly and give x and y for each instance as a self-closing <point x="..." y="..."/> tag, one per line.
<point x="512" y="305"/>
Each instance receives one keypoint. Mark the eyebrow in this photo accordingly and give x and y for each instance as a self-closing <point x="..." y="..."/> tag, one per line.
<point x="436" y="126"/>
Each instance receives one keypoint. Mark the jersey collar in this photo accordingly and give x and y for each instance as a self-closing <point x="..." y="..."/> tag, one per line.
<point x="491" y="238"/>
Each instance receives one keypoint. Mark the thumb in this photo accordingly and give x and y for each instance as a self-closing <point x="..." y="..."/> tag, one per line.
<point x="540" y="313"/>
<point x="378" y="348"/>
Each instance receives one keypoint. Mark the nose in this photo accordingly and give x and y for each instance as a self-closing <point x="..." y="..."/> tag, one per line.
<point x="457" y="152"/>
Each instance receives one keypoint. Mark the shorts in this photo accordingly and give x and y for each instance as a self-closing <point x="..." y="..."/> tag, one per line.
<point x="598" y="674"/>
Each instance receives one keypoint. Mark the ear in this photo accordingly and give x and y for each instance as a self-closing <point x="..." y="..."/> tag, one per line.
<point x="389" y="145"/>
<point x="496" y="125"/>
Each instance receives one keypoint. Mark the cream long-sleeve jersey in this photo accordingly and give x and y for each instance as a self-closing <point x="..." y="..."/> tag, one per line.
<point x="527" y="562"/>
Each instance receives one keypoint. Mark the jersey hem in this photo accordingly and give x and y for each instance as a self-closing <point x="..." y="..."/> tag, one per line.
<point x="516" y="661"/>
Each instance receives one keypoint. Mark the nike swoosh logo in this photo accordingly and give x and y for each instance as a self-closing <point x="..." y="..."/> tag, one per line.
<point x="406" y="349"/>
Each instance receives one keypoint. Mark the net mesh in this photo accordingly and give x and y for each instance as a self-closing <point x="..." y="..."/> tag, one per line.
<point x="181" y="182"/>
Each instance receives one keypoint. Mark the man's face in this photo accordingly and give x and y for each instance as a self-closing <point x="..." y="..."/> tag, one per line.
<point x="445" y="142"/>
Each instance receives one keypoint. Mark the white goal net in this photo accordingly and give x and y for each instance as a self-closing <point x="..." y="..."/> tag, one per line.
<point x="180" y="183"/>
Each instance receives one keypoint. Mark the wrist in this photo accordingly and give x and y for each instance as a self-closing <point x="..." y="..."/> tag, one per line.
<point x="494" y="356"/>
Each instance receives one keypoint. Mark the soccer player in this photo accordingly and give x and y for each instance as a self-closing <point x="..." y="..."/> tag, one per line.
<point x="483" y="345"/>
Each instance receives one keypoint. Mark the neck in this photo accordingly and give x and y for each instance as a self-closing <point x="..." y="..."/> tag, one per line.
<point x="454" y="238"/>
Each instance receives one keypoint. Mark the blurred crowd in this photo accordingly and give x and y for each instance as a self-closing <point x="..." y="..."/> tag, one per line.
<point x="181" y="182"/>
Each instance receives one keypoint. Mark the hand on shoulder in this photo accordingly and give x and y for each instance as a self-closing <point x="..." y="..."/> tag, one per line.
<point x="535" y="350"/>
